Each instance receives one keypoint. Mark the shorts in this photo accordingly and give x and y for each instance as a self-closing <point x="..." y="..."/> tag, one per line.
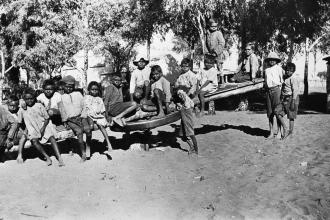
<point x="187" y="123"/>
<point x="78" y="126"/>
<point x="273" y="99"/>
<point x="284" y="107"/>
<point x="119" y="107"/>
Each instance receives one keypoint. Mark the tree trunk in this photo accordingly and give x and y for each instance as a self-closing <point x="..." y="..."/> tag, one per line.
<point x="291" y="51"/>
<point x="201" y="31"/>
<point x="315" y="59"/>
<point x="148" y="47"/>
<point x="306" y="69"/>
<point x="328" y="86"/>
<point x="85" y="67"/>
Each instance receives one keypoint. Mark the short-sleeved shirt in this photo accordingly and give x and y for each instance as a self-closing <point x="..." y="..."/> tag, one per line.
<point x="112" y="96"/>
<point x="215" y="42"/>
<point x="210" y="74"/>
<point x="163" y="85"/>
<point x="50" y="103"/>
<point x="290" y="87"/>
<point x="34" y="119"/>
<point x="188" y="80"/>
<point x="71" y="105"/>
<point x="8" y="122"/>
<point x="93" y="107"/>
<point x="138" y="78"/>
<point x="274" y="76"/>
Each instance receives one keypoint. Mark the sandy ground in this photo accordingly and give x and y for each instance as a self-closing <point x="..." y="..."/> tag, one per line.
<point x="238" y="175"/>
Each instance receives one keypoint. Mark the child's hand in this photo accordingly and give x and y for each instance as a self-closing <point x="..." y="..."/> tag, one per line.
<point x="9" y="144"/>
<point x="66" y="125"/>
<point x="50" y="112"/>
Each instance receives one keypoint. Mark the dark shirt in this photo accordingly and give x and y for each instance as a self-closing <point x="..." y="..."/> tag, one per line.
<point x="112" y="95"/>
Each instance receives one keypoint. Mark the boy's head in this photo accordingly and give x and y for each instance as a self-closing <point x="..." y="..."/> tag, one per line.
<point x="213" y="25"/>
<point x="156" y="73"/>
<point x="69" y="84"/>
<point x="208" y="62"/>
<point x="290" y="68"/>
<point x="248" y="50"/>
<point x="29" y="96"/>
<point x="94" y="89"/>
<point x="185" y="65"/>
<point x="272" y="59"/>
<point x="49" y="88"/>
<point x="141" y="63"/>
<point x="116" y="80"/>
<point x="61" y="87"/>
<point x="13" y="104"/>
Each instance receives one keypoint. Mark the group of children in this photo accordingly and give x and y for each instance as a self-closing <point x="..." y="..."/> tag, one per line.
<point x="35" y="117"/>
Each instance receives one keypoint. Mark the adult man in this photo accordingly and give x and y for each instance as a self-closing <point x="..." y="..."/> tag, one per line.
<point x="248" y="68"/>
<point x="215" y="44"/>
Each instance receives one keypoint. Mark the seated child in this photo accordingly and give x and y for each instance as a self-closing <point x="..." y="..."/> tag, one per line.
<point x="39" y="128"/>
<point x="208" y="81"/>
<point x="139" y="80"/>
<point x="115" y="108"/>
<point x="289" y="96"/>
<point x="60" y="87"/>
<point x="71" y="107"/>
<point x="94" y="110"/>
<point x="20" y="136"/>
<point x="50" y="99"/>
<point x="187" y="80"/>
<point x="160" y="93"/>
<point x="186" y="106"/>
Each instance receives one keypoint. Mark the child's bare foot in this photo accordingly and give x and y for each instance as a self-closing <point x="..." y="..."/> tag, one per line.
<point x="285" y="134"/>
<point x="49" y="162"/>
<point x="19" y="160"/>
<point x="83" y="158"/>
<point x="107" y="153"/>
<point x="160" y="115"/>
<point x="61" y="162"/>
<point x="88" y="152"/>
<point x="118" y="121"/>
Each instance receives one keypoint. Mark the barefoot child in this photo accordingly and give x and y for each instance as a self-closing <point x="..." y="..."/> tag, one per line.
<point x="208" y="81"/>
<point x="289" y="96"/>
<point x="273" y="83"/>
<point x="71" y="107"/>
<point x="115" y="107"/>
<point x="139" y="80"/>
<point x="160" y="93"/>
<point x="187" y="79"/>
<point x="186" y="106"/>
<point x="94" y="111"/>
<point x="39" y="128"/>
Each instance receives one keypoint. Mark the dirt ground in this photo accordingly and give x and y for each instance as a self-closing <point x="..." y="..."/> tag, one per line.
<point x="239" y="175"/>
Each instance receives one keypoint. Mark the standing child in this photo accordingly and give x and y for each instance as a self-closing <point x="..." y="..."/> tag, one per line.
<point x="94" y="111"/>
<point x="273" y="83"/>
<point x="208" y="81"/>
<point x="186" y="106"/>
<point x="115" y="107"/>
<point x="160" y="93"/>
<point x="289" y="96"/>
<point x="187" y="80"/>
<point x="39" y="128"/>
<point x="71" y="107"/>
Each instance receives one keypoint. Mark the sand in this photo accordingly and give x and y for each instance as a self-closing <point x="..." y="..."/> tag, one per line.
<point x="238" y="175"/>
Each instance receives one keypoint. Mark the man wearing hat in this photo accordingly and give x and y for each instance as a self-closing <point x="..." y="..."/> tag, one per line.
<point x="215" y="44"/>
<point x="273" y="84"/>
<point x="139" y="79"/>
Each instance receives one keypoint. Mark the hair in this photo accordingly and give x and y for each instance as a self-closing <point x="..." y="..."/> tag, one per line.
<point x="29" y="91"/>
<point x="156" y="68"/>
<point x="115" y="75"/>
<point x="94" y="83"/>
<point x="13" y="98"/>
<point x="209" y="59"/>
<point x="185" y="61"/>
<point x="48" y="82"/>
<point x="290" y="65"/>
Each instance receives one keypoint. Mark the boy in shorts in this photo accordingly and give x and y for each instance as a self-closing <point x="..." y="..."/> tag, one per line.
<point x="289" y="96"/>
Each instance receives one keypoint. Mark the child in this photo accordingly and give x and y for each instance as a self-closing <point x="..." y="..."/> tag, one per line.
<point x="208" y="81"/>
<point x="94" y="111"/>
<point x="273" y="83"/>
<point x="39" y="128"/>
<point x="187" y="80"/>
<point x="71" y="107"/>
<point x="50" y="99"/>
<point x="60" y="87"/>
<point x="139" y="80"/>
<point x="113" y="101"/>
<point x="187" y="133"/>
<point x="160" y="92"/>
<point x="289" y="96"/>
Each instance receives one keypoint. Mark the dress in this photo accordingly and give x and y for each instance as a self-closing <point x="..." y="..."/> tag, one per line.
<point x="51" y="103"/>
<point x="215" y="43"/>
<point x="94" y="108"/>
<point x="34" y="118"/>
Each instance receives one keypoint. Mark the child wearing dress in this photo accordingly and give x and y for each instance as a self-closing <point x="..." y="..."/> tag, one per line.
<point x="39" y="128"/>
<point x="94" y="111"/>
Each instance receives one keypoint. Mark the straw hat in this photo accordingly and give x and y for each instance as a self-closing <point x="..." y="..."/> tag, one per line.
<point x="140" y="60"/>
<point x="68" y="79"/>
<point x="273" y="56"/>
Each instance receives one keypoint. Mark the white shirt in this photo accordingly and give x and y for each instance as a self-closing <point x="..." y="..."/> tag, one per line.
<point x="50" y="103"/>
<point x="138" y="78"/>
<point x="189" y="80"/>
<point x="274" y="76"/>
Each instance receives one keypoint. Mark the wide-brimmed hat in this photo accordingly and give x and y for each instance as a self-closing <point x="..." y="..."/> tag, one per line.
<point x="140" y="60"/>
<point x="69" y="79"/>
<point x="273" y="56"/>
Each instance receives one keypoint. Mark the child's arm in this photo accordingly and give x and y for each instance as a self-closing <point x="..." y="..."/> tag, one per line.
<point x="14" y="125"/>
<point x="295" y="92"/>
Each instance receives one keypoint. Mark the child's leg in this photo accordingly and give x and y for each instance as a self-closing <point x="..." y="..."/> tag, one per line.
<point x="202" y="101"/>
<point x="281" y="124"/>
<point x="106" y="137"/>
<point x="88" y="143"/>
<point x="118" y="118"/>
<point x="56" y="150"/>
<point x="159" y="105"/>
<point x="21" y="144"/>
<point x="271" y="124"/>
<point x="291" y="125"/>
<point x="82" y="147"/>
<point x="37" y="145"/>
